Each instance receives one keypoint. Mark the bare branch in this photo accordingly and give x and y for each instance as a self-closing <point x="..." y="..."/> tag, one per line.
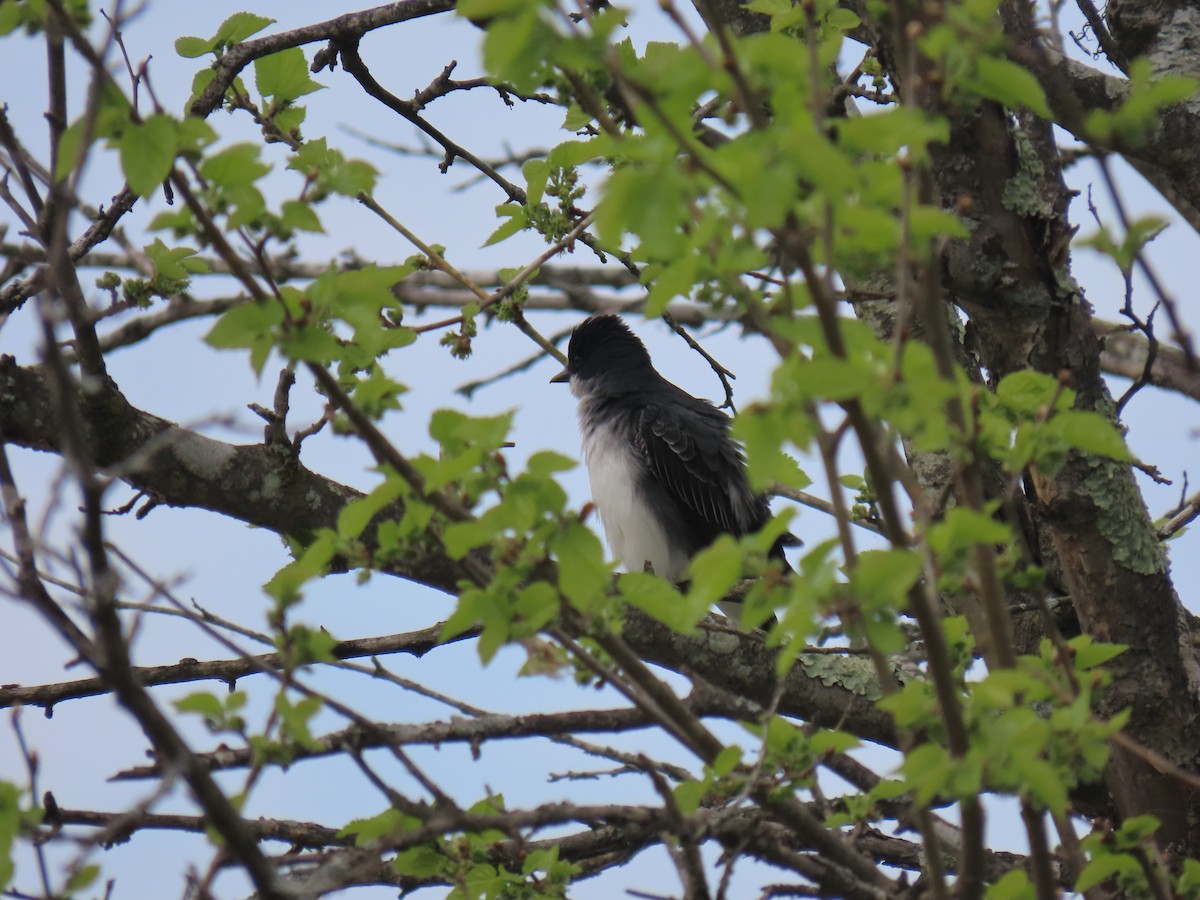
<point x="414" y="643"/>
<point x="474" y="731"/>
<point x="347" y="47"/>
<point x="352" y="24"/>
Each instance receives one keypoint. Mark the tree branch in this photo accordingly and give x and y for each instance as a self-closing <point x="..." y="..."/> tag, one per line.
<point x="355" y="24"/>
<point x="414" y="643"/>
<point x="474" y="731"/>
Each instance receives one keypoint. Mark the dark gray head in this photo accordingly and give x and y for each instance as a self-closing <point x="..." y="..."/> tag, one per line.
<point x="603" y="347"/>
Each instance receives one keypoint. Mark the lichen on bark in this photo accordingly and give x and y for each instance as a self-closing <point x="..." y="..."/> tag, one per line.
<point x="1122" y="519"/>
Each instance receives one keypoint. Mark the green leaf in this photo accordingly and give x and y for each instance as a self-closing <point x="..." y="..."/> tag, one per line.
<point x="486" y="9"/>
<point x="783" y="13"/>
<point x="284" y="75"/>
<point x="887" y="131"/>
<point x="452" y="466"/>
<point x="888" y="789"/>
<point x="313" y="562"/>
<point x="311" y="343"/>
<point x="355" y="515"/>
<point x="928" y="770"/>
<point x="387" y="823"/>
<point x="670" y="281"/>
<point x="1136" y="829"/>
<point x="200" y="81"/>
<point x="1013" y="885"/>
<point x="763" y="431"/>
<point x="235" y="166"/>
<point x="541" y="861"/>
<point x="1089" y="653"/>
<point x="240" y="26"/>
<point x="248" y="205"/>
<point x="294" y="717"/>
<point x="70" y="143"/>
<point x="537" y="605"/>
<point x="1188" y="885"/>
<point x="545" y="463"/>
<point x="926" y="223"/>
<point x="11" y="16"/>
<point x="202" y="703"/>
<point x="727" y="760"/>
<point x="517" y="220"/>
<point x="244" y="325"/>
<point x="518" y="49"/>
<point x="842" y="19"/>
<point x="688" y="795"/>
<point x="290" y="119"/>
<point x="1031" y="393"/>
<point x="1010" y="85"/>
<point x="353" y="177"/>
<point x="573" y="153"/>
<point x="484" y="881"/>
<point x="575" y="119"/>
<point x="1102" y="868"/>
<point x="10" y="826"/>
<point x="583" y="575"/>
<point x="836" y="379"/>
<point x="883" y="577"/>
<point x="536" y="172"/>
<point x="191" y="47"/>
<point x="421" y="862"/>
<point x="656" y="598"/>
<point x="964" y="527"/>
<point x="193" y="135"/>
<point x="82" y="878"/>
<point x="174" y="263"/>
<point x="455" y="430"/>
<point x="1089" y="432"/>
<point x="358" y="297"/>
<point x="460" y="538"/>
<point x="1140" y="232"/>
<point x="645" y="202"/>
<point x="712" y="572"/>
<point x="1041" y="781"/>
<point x="378" y="393"/>
<point x="1149" y="92"/>
<point x="297" y="214"/>
<point x="310" y="645"/>
<point x="111" y="121"/>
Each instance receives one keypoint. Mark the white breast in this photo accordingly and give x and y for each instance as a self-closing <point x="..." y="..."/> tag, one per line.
<point x="634" y="532"/>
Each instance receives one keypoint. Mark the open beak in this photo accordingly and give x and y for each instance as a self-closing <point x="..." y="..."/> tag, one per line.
<point x="561" y="378"/>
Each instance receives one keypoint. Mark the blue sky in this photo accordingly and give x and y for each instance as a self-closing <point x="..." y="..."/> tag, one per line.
<point x="220" y="564"/>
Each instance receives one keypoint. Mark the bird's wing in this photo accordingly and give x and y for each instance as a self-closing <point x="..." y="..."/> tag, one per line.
<point x="693" y="459"/>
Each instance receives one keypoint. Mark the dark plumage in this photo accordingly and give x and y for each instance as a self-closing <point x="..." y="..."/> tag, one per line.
<point x="666" y="476"/>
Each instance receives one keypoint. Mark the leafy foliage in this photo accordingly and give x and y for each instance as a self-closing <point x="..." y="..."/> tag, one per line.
<point x="726" y="172"/>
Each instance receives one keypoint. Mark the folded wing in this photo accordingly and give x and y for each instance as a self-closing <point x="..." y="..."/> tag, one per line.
<point x="699" y="467"/>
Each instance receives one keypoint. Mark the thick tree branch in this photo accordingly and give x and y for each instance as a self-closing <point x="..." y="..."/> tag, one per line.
<point x="1124" y="352"/>
<point x="268" y="487"/>
<point x="258" y="484"/>
<point x="1091" y="518"/>
<point x="1171" y="148"/>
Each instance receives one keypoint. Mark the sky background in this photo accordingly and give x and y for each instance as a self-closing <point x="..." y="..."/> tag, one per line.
<point x="220" y="564"/>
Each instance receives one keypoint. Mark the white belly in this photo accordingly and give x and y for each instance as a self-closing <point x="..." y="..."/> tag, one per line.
<point x="634" y="534"/>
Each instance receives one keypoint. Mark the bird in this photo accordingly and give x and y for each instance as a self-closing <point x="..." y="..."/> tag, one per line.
<point x="667" y="478"/>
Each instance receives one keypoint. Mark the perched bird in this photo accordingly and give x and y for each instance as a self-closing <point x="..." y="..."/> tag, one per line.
<point x="666" y="477"/>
